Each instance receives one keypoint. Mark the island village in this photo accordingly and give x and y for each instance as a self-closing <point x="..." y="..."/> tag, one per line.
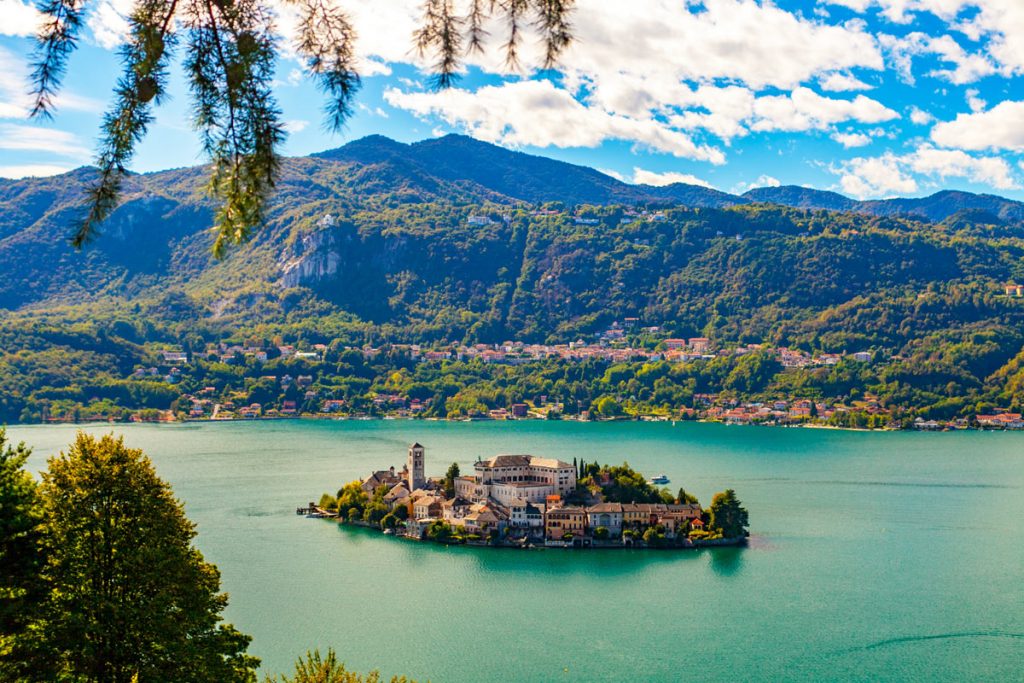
<point x="527" y="501"/>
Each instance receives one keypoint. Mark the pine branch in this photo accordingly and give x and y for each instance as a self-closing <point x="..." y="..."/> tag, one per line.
<point x="146" y="57"/>
<point x="327" y="42"/>
<point x="55" y="42"/>
<point x="231" y="54"/>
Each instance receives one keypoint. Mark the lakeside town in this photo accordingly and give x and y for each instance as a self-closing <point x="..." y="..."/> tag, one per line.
<point x="525" y="501"/>
<point x="298" y="395"/>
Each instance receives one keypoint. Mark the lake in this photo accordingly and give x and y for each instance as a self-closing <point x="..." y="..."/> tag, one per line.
<point x="874" y="556"/>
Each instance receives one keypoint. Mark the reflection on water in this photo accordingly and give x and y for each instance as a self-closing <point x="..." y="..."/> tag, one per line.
<point x="726" y="562"/>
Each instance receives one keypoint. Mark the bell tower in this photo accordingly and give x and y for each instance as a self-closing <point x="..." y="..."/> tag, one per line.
<point x="415" y="466"/>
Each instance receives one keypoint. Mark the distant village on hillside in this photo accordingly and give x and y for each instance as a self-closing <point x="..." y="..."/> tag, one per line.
<point x="529" y="501"/>
<point x="302" y="398"/>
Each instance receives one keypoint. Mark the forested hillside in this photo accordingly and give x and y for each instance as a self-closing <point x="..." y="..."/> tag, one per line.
<point x="452" y="240"/>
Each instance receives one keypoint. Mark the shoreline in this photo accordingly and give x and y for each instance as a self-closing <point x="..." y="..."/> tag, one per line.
<point x="406" y="418"/>
<point x="690" y="544"/>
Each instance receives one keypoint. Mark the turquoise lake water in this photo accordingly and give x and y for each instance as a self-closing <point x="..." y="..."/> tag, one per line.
<point x="874" y="556"/>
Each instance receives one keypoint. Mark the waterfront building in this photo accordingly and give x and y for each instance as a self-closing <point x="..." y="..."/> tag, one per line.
<point x="427" y="506"/>
<point x="483" y="518"/>
<point x="608" y="515"/>
<point x="565" y="520"/>
<point x="505" y="478"/>
<point x="639" y="515"/>
<point x="525" y="515"/>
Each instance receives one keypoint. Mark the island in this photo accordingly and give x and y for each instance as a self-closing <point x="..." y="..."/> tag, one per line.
<point x="525" y="501"/>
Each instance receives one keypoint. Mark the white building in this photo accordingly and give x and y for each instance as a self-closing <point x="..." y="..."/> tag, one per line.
<point x="506" y="478"/>
<point x="525" y="515"/>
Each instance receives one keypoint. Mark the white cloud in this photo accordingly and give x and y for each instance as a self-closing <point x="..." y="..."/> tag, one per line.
<point x="902" y="11"/>
<point x="15" y="100"/>
<point x="676" y="68"/>
<point x="974" y="101"/>
<point x="804" y="109"/>
<point x="955" y="163"/>
<point x="1001" y="127"/>
<point x="663" y="43"/>
<point x="18" y="18"/>
<point x="762" y="181"/>
<point x="644" y="177"/>
<point x="842" y="82"/>
<point x="766" y="181"/>
<point x="849" y="140"/>
<point x="891" y="174"/>
<point x="538" y="113"/>
<point x="875" y="177"/>
<point x="32" y="170"/>
<point x="34" y="139"/>
<point x="1001" y="22"/>
<point x="296" y="125"/>
<point x="108" y="22"/>
<point x="966" y="67"/>
<point x="614" y="174"/>
<point x="920" y="117"/>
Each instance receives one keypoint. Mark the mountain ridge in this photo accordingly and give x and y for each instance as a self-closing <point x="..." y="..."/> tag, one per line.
<point x="504" y="175"/>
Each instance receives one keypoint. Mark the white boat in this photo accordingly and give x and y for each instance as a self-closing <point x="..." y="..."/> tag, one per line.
<point x="660" y="479"/>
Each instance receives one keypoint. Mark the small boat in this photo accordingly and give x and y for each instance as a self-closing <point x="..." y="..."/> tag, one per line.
<point x="660" y="479"/>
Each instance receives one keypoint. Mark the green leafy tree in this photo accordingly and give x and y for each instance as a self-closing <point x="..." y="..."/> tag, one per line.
<point x="684" y="498"/>
<point x="352" y="497"/>
<point x="439" y="530"/>
<point x="22" y="589"/>
<point x="449" y="480"/>
<point x="375" y="512"/>
<point x="608" y="407"/>
<point x="132" y="598"/>
<point x="654" y="536"/>
<point x="315" y="668"/>
<point x="727" y="515"/>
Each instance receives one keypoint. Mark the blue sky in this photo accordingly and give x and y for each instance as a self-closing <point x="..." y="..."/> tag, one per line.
<point x="872" y="98"/>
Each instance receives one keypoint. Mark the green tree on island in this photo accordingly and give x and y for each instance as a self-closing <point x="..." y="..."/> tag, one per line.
<point x="728" y="516"/>
<point x="449" y="480"/>
<point x="683" y="497"/>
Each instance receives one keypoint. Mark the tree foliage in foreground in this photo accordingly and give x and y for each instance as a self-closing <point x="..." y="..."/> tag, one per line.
<point x="100" y="582"/>
<point x="315" y="668"/>
<point x="127" y="596"/>
<point x="21" y="559"/>
<point x="231" y="47"/>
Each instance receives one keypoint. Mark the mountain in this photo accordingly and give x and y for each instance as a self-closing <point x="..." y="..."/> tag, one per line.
<point x="936" y="207"/>
<point x="380" y="230"/>
<point x="802" y="198"/>
<point x="456" y="240"/>
<point x="518" y="176"/>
